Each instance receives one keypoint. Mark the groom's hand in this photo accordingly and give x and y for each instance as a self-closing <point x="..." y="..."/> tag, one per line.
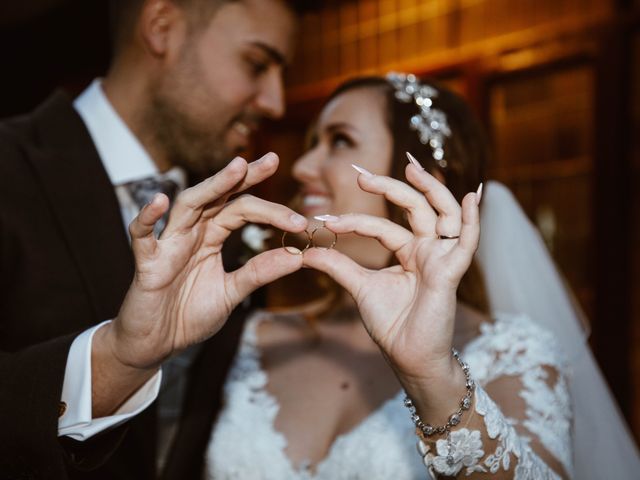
<point x="180" y="294"/>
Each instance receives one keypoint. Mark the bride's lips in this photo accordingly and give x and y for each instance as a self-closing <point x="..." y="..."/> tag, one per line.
<point x="314" y="202"/>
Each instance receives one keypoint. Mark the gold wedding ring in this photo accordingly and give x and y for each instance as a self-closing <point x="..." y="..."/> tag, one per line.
<point x="315" y="230"/>
<point x="310" y="241"/>
<point x="294" y="250"/>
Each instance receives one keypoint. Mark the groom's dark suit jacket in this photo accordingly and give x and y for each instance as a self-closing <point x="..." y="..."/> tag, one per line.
<point x="65" y="265"/>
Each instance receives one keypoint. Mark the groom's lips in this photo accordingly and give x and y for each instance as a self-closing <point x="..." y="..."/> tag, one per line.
<point x="242" y="128"/>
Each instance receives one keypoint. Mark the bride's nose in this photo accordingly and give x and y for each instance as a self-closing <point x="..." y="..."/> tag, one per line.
<point x="307" y="167"/>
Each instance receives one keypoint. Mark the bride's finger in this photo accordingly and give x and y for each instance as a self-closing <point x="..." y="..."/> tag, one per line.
<point x="462" y="254"/>
<point x="338" y="266"/>
<point x="420" y="215"/>
<point x="391" y="235"/>
<point x="439" y="197"/>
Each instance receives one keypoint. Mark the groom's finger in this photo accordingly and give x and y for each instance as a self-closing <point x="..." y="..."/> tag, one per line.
<point x="260" y="270"/>
<point x="143" y="241"/>
<point x="188" y="207"/>
<point x="258" y="171"/>
<point x="250" y="209"/>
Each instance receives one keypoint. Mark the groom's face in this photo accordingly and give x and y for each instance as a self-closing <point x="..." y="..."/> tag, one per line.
<point x="226" y="77"/>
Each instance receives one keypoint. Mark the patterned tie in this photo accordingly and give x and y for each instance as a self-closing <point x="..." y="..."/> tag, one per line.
<point x="143" y="191"/>
<point x="174" y="370"/>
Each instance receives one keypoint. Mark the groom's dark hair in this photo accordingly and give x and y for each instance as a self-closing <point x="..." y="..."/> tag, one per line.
<point x="124" y="13"/>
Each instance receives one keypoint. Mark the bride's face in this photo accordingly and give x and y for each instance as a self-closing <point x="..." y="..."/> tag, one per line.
<point x="350" y="130"/>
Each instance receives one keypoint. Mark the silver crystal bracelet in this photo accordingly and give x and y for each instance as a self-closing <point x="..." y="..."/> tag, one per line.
<point x="465" y="403"/>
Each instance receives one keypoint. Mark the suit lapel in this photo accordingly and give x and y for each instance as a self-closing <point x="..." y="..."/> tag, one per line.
<point x="83" y="201"/>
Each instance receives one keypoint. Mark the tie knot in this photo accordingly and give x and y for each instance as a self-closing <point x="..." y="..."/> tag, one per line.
<point x="142" y="191"/>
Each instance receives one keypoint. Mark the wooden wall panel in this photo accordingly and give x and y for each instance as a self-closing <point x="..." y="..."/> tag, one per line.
<point x="542" y="126"/>
<point x="533" y="69"/>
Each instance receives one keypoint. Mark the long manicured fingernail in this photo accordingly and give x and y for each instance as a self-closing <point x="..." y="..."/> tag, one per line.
<point x="326" y="218"/>
<point x="361" y="170"/>
<point x="297" y="219"/>
<point x="479" y="193"/>
<point x="413" y="160"/>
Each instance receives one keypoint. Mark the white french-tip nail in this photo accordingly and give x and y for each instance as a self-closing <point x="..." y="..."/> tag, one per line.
<point x="326" y="218"/>
<point x="479" y="193"/>
<point x="413" y="160"/>
<point x="361" y="170"/>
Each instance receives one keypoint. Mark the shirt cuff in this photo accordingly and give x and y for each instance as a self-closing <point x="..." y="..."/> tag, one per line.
<point x="77" y="421"/>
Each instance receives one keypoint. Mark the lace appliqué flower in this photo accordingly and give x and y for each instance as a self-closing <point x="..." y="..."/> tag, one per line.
<point x="254" y="239"/>
<point x="529" y="465"/>
<point x="465" y="450"/>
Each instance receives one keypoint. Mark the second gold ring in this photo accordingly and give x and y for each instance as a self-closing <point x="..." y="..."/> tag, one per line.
<point x="313" y="238"/>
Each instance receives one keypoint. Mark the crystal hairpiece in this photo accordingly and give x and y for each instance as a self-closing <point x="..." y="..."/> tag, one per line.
<point x="431" y="123"/>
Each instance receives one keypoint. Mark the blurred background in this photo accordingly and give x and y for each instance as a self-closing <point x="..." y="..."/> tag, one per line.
<point x="557" y="83"/>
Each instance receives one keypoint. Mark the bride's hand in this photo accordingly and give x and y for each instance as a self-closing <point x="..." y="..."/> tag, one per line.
<point x="409" y="308"/>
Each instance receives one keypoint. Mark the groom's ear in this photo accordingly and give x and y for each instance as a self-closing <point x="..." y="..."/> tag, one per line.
<point x="162" y="27"/>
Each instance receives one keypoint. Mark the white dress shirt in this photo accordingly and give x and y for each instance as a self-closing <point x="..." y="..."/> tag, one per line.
<point x="125" y="160"/>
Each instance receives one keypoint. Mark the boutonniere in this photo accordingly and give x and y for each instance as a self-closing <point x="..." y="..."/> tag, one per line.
<point x="254" y="239"/>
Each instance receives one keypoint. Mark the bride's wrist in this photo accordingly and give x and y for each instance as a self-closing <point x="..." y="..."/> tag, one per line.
<point x="439" y="393"/>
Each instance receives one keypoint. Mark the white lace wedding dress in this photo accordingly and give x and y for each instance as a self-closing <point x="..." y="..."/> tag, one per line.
<point x="527" y="429"/>
<point x="530" y="423"/>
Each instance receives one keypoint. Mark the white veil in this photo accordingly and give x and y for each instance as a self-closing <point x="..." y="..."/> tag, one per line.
<point x="521" y="278"/>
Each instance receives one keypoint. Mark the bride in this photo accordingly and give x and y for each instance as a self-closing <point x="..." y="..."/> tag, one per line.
<point x="481" y="361"/>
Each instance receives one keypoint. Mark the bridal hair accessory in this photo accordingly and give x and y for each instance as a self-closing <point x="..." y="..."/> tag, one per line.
<point x="426" y="430"/>
<point x="431" y="123"/>
<point x="311" y="241"/>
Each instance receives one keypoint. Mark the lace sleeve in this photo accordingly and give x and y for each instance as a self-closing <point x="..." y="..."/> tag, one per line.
<point x="522" y="428"/>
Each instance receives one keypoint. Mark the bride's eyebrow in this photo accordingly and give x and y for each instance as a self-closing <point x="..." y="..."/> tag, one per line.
<point x="342" y="127"/>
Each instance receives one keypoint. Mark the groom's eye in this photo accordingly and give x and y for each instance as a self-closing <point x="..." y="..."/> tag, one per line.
<point x="256" y="64"/>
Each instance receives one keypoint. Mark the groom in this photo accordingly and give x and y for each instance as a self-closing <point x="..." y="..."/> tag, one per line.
<point x="189" y="82"/>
